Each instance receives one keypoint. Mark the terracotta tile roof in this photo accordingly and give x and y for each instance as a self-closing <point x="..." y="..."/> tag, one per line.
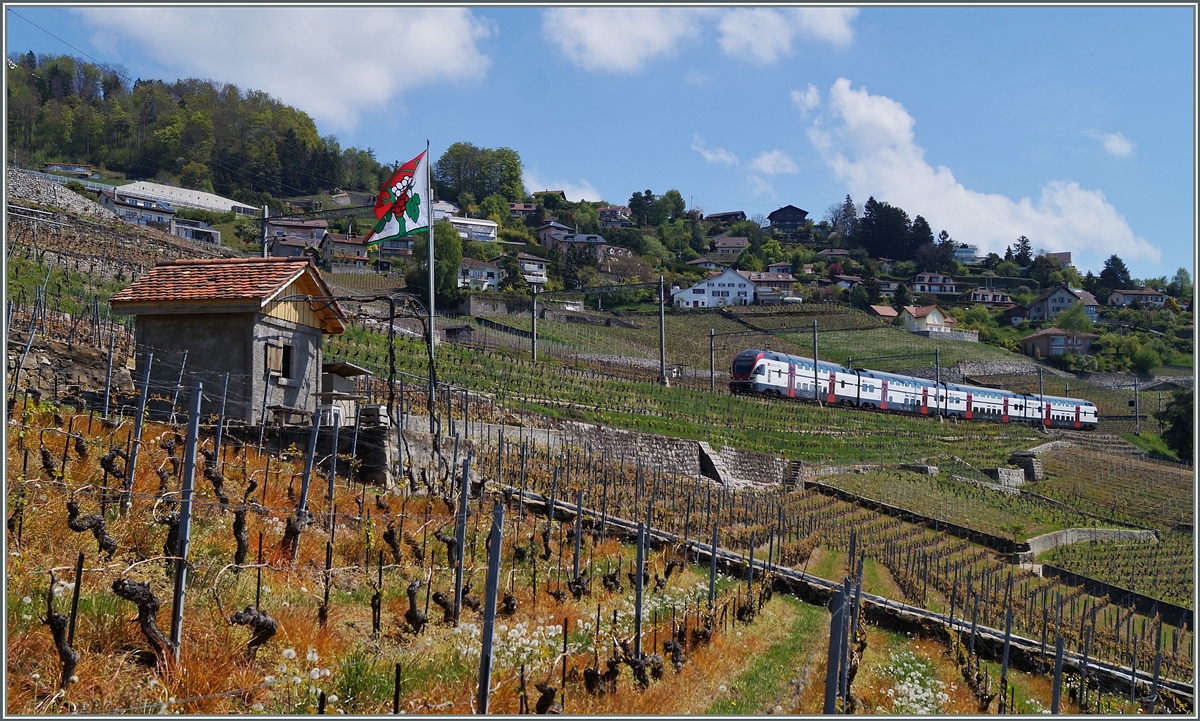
<point x="216" y="279"/>
<point x="922" y="311"/>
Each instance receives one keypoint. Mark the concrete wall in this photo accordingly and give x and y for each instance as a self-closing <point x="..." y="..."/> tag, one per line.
<point x="1046" y="541"/>
<point x="306" y="365"/>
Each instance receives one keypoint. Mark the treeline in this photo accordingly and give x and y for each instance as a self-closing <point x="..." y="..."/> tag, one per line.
<point x="198" y="134"/>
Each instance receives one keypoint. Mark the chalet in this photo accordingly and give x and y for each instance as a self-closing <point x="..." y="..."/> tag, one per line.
<point x="732" y="216"/>
<point x="79" y="170"/>
<point x="475" y="228"/>
<point x="283" y="246"/>
<point x="137" y="209"/>
<point x="1149" y="296"/>
<point x="261" y="320"/>
<point x="887" y="288"/>
<point x="781" y="267"/>
<point x="615" y="216"/>
<point x="989" y="298"/>
<point x="1054" y="341"/>
<point x="730" y="247"/>
<point x="727" y="287"/>
<point x="932" y="283"/>
<point x="587" y="242"/>
<point x="1063" y="258"/>
<point x="788" y="221"/>
<point x="533" y="269"/>
<point x="1055" y="300"/>
<point x="478" y="275"/>
<point x="1016" y="315"/>
<point x="926" y="318"/>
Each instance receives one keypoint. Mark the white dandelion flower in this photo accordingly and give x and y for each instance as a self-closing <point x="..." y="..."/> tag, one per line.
<point x="312" y="655"/>
<point x="289" y="653"/>
<point x="27" y="600"/>
<point x="314" y="674"/>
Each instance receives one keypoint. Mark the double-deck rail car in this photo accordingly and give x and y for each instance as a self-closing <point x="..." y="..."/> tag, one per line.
<point x="779" y="375"/>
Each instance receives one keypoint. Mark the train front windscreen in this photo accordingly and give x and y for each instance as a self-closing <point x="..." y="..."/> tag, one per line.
<point x="743" y="364"/>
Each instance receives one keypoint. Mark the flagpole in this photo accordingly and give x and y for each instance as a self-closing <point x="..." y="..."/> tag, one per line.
<point x="432" y="330"/>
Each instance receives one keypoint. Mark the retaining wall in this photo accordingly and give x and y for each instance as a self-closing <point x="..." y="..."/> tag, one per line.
<point x="1046" y="541"/>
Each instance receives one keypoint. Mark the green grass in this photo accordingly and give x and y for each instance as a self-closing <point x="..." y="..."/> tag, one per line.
<point x="768" y="677"/>
<point x="1153" y="445"/>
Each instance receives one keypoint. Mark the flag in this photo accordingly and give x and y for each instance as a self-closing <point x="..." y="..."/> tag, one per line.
<point x="400" y="209"/>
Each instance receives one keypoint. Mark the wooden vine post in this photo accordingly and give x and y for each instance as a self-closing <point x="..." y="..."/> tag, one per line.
<point x="489" y="607"/>
<point x="185" y="513"/>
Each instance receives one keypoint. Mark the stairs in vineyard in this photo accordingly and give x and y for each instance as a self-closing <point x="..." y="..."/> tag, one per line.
<point x="792" y="477"/>
<point x="1103" y="442"/>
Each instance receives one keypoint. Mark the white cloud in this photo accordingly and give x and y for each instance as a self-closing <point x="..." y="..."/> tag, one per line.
<point x="332" y="63"/>
<point x="774" y="162"/>
<point x="696" y="79"/>
<point x="583" y="190"/>
<point x="829" y="24"/>
<point x="756" y="34"/>
<point x="1115" y="143"/>
<point x="759" y="186"/>
<point x="762" y="35"/>
<point x="718" y="155"/>
<point x="870" y="146"/>
<point x="807" y="99"/>
<point x="618" y="39"/>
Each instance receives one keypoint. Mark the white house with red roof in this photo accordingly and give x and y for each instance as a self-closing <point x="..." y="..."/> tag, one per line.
<point x="726" y="287"/>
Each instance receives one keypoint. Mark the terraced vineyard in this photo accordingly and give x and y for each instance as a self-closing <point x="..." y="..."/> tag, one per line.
<point x="1160" y="570"/>
<point x="1153" y="495"/>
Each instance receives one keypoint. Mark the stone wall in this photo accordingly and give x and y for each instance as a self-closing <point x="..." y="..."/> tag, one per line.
<point x="753" y="466"/>
<point x="1046" y="541"/>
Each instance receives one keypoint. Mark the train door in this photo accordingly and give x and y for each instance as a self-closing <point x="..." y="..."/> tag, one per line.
<point x="883" y="397"/>
<point x="791" y="386"/>
<point x="1046" y="414"/>
<point x="831" y="389"/>
<point x="969" y="398"/>
<point x="924" y="400"/>
<point x="1077" y="416"/>
<point x="1004" y="416"/>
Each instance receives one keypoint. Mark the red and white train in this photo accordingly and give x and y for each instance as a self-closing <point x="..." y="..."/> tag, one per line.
<point x="778" y="375"/>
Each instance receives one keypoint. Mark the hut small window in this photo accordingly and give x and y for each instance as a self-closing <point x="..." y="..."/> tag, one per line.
<point x="288" y="355"/>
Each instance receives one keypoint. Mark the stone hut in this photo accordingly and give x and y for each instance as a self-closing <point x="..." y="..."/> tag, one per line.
<point x="261" y="320"/>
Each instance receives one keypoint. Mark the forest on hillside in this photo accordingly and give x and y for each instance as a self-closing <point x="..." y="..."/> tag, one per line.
<point x="203" y="134"/>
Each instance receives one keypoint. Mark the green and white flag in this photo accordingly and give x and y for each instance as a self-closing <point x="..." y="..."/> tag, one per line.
<point x="400" y="209"/>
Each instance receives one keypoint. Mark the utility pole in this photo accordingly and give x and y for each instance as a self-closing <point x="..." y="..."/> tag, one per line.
<point x="816" y="394"/>
<point x="662" y="334"/>
<point x="265" y="215"/>
<point x="533" y="318"/>
<point x="1137" y="409"/>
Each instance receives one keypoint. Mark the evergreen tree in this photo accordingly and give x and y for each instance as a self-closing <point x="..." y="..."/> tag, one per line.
<point x="1115" y="276"/>
<point x="1023" y="255"/>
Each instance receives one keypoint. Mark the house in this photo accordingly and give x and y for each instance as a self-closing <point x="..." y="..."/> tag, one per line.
<point x="343" y="248"/>
<point x="522" y="210"/>
<point x="261" y="320"/>
<point x="1051" y="302"/>
<point x="788" y="220"/>
<point x="806" y="269"/>
<point x="196" y="230"/>
<point x="886" y="265"/>
<point x="549" y="229"/>
<point x="932" y="283"/>
<point x="781" y="267"/>
<point x="1016" y="315"/>
<point x="587" y="242"/>
<point x="834" y="254"/>
<point x="989" y="298"/>
<point x="1064" y="258"/>
<point x="1053" y="341"/>
<point x="769" y="288"/>
<point x="727" y="287"/>
<point x="706" y="263"/>
<point x="849" y="282"/>
<point x="137" y="209"/>
<point x="615" y="216"/>
<point x="926" y="318"/>
<point x="395" y="248"/>
<point x="339" y="394"/>
<point x="478" y="275"/>
<point x="187" y="198"/>
<point x="887" y="288"/>
<point x="295" y="228"/>
<point x="730" y="247"/>
<point x="1149" y="296"/>
<point x="559" y="193"/>
<point x="283" y="246"/>
<point x="475" y="228"/>
<point x="886" y="312"/>
<point x="533" y="269"/>
<point x="443" y="209"/>
<point x="967" y="254"/>
<point x="732" y="216"/>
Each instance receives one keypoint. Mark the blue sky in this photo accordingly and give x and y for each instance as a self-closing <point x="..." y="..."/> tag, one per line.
<point x="1073" y="126"/>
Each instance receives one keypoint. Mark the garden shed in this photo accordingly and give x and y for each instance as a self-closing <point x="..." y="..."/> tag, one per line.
<point x="261" y="320"/>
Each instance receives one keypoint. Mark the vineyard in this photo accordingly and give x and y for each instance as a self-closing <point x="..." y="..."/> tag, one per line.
<point x="307" y="590"/>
